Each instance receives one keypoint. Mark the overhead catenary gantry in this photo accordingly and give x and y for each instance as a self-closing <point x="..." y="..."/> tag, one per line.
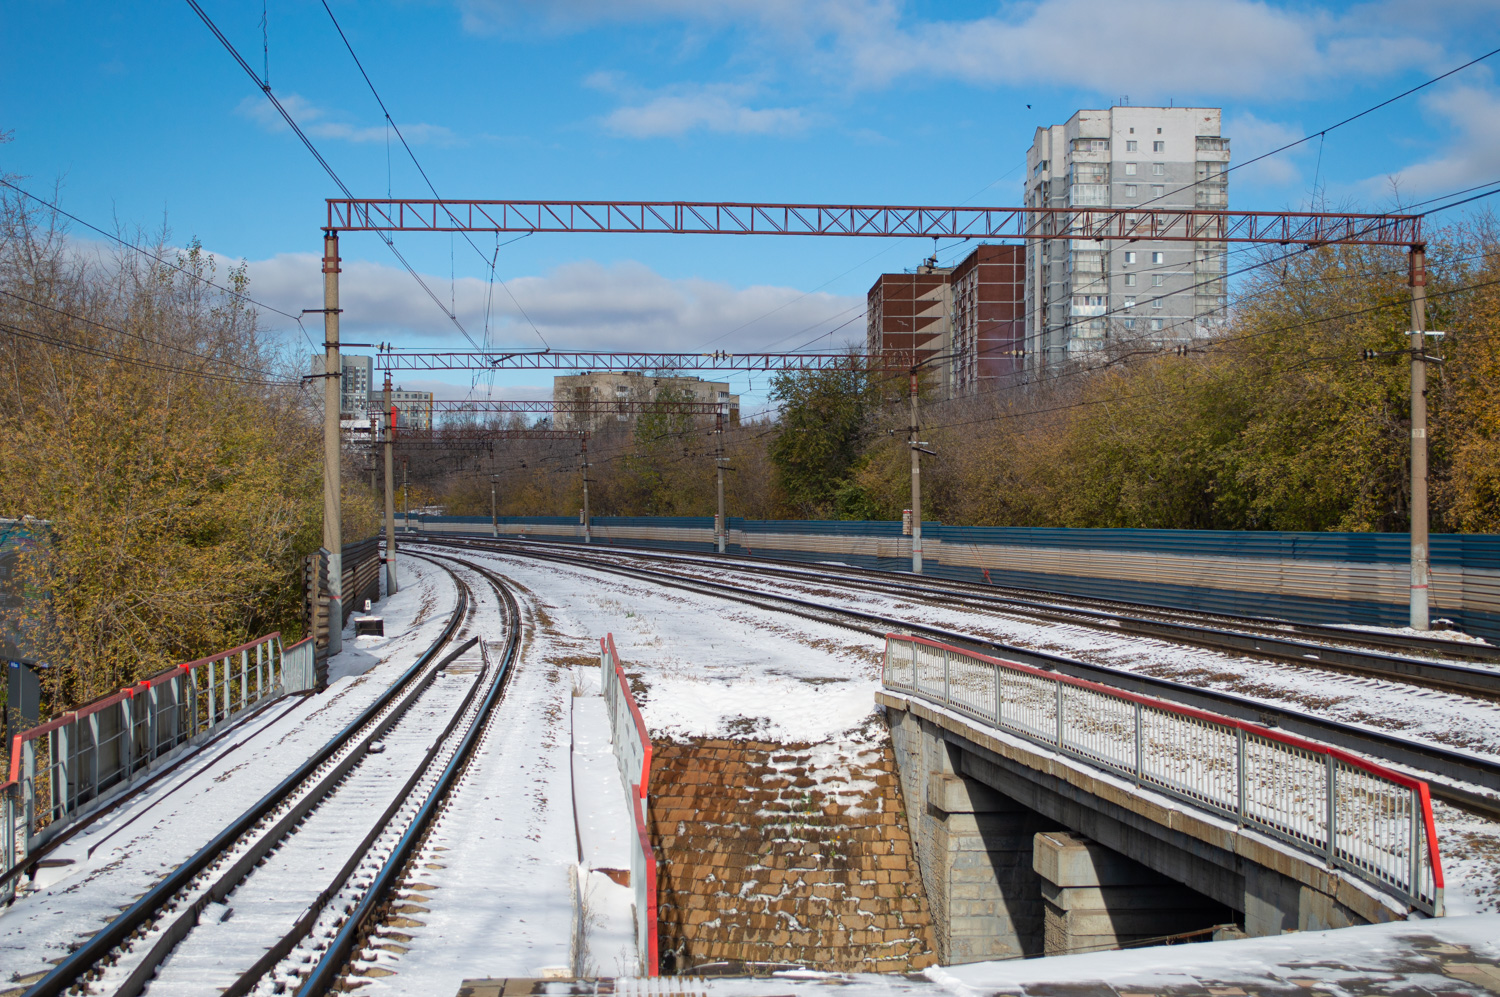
<point x="1134" y="224"/>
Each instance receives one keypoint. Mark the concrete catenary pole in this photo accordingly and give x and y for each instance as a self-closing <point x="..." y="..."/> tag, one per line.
<point x="1419" y="560"/>
<point x="388" y="414"/>
<point x="721" y="525"/>
<point x="405" y="494"/>
<point x="494" y="520"/>
<point x="583" y="462"/>
<point x="916" y="484"/>
<point x="333" y="539"/>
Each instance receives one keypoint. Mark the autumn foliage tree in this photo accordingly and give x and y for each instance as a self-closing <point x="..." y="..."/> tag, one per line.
<point x="165" y="455"/>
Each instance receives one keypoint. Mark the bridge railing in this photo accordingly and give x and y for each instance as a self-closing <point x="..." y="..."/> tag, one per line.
<point x="1358" y="816"/>
<point x="632" y="747"/>
<point x="76" y="762"/>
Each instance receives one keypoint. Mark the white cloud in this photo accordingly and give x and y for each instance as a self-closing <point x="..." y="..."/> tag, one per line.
<point x="677" y="114"/>
<point x="315" y="121"/>
<point x="1253" y="136"/>
<point x="1152" y="49"/>
<point x="1469" y="157"/>
<point x="584" y="305"/>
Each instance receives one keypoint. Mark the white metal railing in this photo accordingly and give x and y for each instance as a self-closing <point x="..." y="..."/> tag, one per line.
<point x="1353" y="814"/>
<point x="632" y="748"/>
<point x="63" y="768"/>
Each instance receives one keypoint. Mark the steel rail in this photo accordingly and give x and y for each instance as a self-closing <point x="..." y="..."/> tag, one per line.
<point x="1265" y="641"/>
<point x="84" y="961"/>
<point x="1108" y="609"/>
<point x="325" y="976"/>
<point x="1453" y="774"/>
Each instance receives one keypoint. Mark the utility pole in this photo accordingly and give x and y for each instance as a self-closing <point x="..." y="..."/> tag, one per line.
<point x="405" y="494"/>
<point x="916" y="483"/>
<point x="583" y="442"/>
<point x="388" y="413"/>
<point x="494" y="520"/>
<point x="1419" y="561"/>
<point x="721" y="525"/>
<point x="333" y="540"/>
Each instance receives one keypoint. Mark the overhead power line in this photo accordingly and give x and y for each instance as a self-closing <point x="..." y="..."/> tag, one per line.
<point x="417" y="163"/>
<point x="1349" y="120"/>
<point x="103" y="354"/>
<point x="237" y="295"/>
<point x="265" y="88"/>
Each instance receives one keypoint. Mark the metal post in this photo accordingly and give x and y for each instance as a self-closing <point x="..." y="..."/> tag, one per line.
<point x="916" y="484"/>
<point x="494" y="519"/>
<point x="1140" y="754"/>
<point x="720" y="523"/>
<point x="1419" y="562"/>
<point x="332" y="449"/>
<point x="583" y="440"/>
<point x="1414" y="812"/>
<point x="1241" y="776"/>
<point x="1332" y="823"/>
<point x="947" y="679"/>
<point x="405" y="493"/>
<point x="1059" y="712"/>
<point x="389" y="414"/>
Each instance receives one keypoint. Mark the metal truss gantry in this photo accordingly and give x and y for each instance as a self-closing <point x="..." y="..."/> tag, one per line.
<point x="875" y="220"/>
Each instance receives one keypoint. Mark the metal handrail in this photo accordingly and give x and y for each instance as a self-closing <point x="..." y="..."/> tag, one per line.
<point x="64" y="767"/>
<point x="1356" y="815"/>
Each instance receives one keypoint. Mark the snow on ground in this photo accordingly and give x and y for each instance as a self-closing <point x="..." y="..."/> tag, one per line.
<point x="1454" y="955"/>
<point x="495" y="873"/>
<point x="686" y="670"/>
<point x="120" y="856"/>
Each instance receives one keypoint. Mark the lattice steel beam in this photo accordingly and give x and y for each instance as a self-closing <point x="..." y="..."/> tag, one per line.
<point x="646" y="362"/>
<point x="891" y="221"/>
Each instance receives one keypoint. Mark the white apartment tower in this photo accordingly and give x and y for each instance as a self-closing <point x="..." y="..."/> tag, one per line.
<point x="1081" y="293"/>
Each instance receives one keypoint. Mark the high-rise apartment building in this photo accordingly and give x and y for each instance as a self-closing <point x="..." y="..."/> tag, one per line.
<point x="354" y="385"/>
<point x="964" y="324"/>
<point x="1081" y="293"/>
<point x="589" y="401"/>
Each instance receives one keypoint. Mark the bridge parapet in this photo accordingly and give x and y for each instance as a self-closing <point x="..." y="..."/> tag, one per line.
<point x="1356" y="816"/>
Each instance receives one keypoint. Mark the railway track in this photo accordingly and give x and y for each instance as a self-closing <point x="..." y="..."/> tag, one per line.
<point x="1388" y="655"/>
<point x="269" y="901"/>
<point x="1464" y="779"/>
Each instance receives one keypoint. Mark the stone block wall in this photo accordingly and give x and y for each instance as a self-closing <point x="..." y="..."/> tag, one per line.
<point x="782" y="854"/>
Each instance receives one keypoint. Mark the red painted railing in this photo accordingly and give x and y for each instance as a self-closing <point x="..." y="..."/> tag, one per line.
<point x="1354" y="813"/>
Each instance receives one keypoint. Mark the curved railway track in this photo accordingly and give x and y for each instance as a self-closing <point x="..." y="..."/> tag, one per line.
<point x="307" y="862"/>
<point x="1464" y="779"/>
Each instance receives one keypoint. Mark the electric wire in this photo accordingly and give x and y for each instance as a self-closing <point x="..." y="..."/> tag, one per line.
<point x="237" y="295"/>
<point x="265" y="88"/>
<point x="425" y="178"/>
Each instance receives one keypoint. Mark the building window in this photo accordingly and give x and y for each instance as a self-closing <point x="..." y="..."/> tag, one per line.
<point x="1158" y="190"/>
<point x="1158" y="257"/>
<point x="1156" y="280"/>
<point x="1130" y="190"/>
<point x="1158" y="131"/>
<point x="1130" y="323"/>
<point x="1130" y="256"/>
<point x="1155" y="302"/>
<point x="1130" y="280"/>
<point x="1130" y="169"/>
<point x="1156" y="325"/>
<point x="1158" y="169"/>
<point x="1130" y="145"/>
<point x="1129" y="302"/>
<point x="1158" y="147"/>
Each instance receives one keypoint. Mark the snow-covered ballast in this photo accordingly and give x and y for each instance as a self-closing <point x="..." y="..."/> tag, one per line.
<point x="632" y="749"/>
<point x="1340" y="578"/>
<point x="1350" y="813"/>
<point x="81" y="761"/>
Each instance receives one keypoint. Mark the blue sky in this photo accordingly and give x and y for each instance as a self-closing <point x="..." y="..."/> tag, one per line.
<point x="140" y="116"/>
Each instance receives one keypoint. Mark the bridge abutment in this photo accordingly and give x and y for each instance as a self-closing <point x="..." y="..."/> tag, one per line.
<point x="1024" y="852"/>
